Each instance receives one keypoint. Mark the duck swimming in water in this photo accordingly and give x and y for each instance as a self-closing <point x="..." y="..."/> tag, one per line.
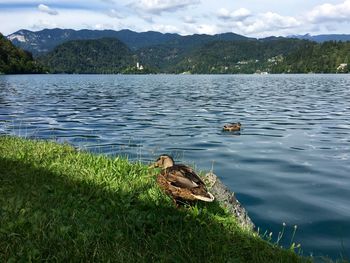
<point x="180" y="181"/>
<point x="232" y="126"/>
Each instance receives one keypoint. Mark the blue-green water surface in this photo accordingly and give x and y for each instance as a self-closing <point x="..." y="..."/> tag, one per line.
<point x="290" y="163"/>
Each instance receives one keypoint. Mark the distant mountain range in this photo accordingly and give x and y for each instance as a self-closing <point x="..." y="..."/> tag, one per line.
<point x="14" y="60"/>
<point x="125" y="51"/>
<point x="323" y="38"/>
<point x="46" y="40"/>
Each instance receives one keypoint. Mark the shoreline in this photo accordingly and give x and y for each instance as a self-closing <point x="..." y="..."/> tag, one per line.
<point x="176" y="74"/>
<point x="60" y="203"/>
<point x="228" y="200"/>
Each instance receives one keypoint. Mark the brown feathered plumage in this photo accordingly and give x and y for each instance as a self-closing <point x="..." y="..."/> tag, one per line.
<point x="180" y="181"/>
<point x="232" y="127"/>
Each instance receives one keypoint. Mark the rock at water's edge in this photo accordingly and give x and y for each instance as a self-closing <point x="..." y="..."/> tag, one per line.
<point x="227" y="198"/>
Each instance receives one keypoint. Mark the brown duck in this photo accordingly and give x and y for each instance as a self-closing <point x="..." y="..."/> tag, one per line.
<point x="232" y="126"/>
<point x="180" y="181"/>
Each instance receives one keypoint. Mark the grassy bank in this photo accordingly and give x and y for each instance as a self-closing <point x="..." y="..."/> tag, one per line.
<point x="63" y="205"/>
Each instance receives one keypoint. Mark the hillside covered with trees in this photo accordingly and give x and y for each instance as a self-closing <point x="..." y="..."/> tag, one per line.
<point x="193" y="55"/>
<point x="44" y="41"/>
<point x="327" y="57"/>
<point x="271" y="55"/>
<point x="154" y="52"/>
<point x="16" y="61"/>
<point x="229" y="57"/>
<point x="100" y="56"/>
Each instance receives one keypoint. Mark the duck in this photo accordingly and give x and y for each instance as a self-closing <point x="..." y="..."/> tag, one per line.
<point x="180" y="181"/>
<point x="236" y="126"/>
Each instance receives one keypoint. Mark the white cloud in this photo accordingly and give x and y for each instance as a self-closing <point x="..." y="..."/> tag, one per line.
<point x="189" y="20"/>
<point x="102" y="26"/>
<point x="267" y="22"/>
<point x="114" y="13"/>
<point x="42" y="23"/>
<point x="328" y="12"/>
<point x="241" y="14"/>
<point x="147" y="18"/>
<point x="201" y="29"/>
<point x="237" y="15"/>
<point x="331" y="28"/>
<point x="276" y="20"/>
<point x="206" y="29"/>
<point x="180" y="16"/>
<point x="48" y="10"/>
<point x="187" y="29"/>
<point x="67" y="19"/>
<point x="224" y="13"/>
<point x="160" y="6"/>
<point x="166" y="28"/>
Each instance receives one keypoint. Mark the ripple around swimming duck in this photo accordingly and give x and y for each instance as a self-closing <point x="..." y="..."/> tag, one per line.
<point x="263" y="134"/>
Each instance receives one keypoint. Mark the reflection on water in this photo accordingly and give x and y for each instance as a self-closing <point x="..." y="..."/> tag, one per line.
<point x="290" y="163"/>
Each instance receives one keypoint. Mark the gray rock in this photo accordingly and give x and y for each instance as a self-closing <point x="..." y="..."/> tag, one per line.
<point x="228" y="199"/>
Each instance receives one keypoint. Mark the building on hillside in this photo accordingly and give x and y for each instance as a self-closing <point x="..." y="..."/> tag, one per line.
<point x="139" y="66"/>
<point x="342" y="67"/>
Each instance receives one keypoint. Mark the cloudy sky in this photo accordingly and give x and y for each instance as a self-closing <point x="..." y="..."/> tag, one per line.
<point x="255" y="18"/>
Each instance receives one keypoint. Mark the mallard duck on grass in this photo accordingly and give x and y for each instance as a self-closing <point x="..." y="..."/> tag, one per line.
<point x="180" y="181"/>
<point x="236" y="126"/>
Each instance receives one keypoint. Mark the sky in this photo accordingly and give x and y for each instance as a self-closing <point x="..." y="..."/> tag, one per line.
<point x="254" y="18"/>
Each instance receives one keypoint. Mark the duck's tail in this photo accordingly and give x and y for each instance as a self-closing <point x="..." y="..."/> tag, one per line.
<point x="211" y="198"/>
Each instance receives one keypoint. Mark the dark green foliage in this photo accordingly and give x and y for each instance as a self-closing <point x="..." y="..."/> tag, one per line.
<point x="100" y="56"/>
<point x="246" y="56"/>
<point x="171" y="53"/>
<point x="46" y="40"/>
<point x="16" y="61"/>
<point x="194" y="55"/>
<point x="272" y="55"/>
<point x="157" y="58"/>
<point x="317" y="58"/>
<point x="164" y="57"/>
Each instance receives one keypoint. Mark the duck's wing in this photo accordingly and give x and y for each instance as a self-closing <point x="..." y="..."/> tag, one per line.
<point x="183" y="176"/>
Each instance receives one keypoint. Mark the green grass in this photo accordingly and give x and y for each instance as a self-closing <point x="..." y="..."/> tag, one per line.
<point x="59" y="204"/>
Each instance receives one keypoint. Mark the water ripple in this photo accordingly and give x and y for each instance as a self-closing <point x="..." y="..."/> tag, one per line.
<point x="289" y="163"/>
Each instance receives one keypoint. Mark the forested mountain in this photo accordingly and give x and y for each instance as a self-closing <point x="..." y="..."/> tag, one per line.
<point x="192" y="55"/>
<point x="164" y="57"/>
<point x="46" y="40"/>
<point x="237" y="56"/>
<point x="125" y="51"/>
<point x="271" y="55"/>
<point x="101" y="56"/>
<point x="327" y="57"/>
<point x="14" y="60"/>
<point x="324" y="38"/>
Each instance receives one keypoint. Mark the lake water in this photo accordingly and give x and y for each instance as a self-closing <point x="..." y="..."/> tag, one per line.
<point x="290" y="163"/>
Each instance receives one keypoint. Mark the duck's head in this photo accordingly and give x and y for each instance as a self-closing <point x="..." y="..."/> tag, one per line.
<point x="231" y="125"/>
<point x="164" y="161"/>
